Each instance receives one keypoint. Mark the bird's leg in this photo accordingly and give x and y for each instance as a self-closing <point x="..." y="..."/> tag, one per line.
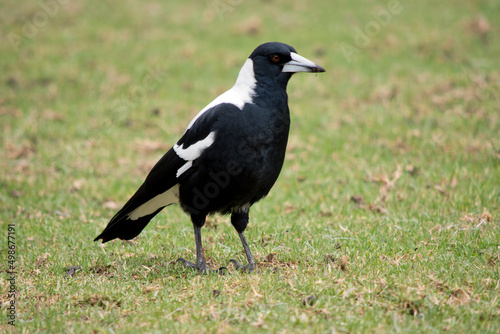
<point x="239" y="220"/>
<point x="250" y="267"/>
<point x="200" y="258"/>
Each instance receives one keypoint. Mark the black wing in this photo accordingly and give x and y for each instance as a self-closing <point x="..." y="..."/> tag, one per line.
<point x="163" y="180"/>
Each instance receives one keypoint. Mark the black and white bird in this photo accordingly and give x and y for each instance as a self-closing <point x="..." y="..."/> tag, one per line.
<point x="229" y="157"/>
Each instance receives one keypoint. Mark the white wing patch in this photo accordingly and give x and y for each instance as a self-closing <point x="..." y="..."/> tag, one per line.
<point x="168" y="197"/>
<point x="192" y="152"/>
<point x="184" y="168"/>
<point x="241" y="93"/>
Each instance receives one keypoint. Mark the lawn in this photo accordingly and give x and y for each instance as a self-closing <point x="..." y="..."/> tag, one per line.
<point x="385" y="217"/>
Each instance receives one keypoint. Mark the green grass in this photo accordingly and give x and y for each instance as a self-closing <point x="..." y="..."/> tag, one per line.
<point x="387" y="209"/>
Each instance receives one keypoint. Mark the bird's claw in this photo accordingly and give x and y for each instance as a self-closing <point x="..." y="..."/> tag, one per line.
<point x="186" y="263"/>
<point x="249" y="268"/>
<point x="203" y="270"/>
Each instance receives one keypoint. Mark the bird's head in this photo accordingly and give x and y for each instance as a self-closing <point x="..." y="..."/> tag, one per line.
<point x="278" y="61"/>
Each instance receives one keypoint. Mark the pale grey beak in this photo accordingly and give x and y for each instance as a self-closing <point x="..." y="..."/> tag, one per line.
<point x="301" y="64"/>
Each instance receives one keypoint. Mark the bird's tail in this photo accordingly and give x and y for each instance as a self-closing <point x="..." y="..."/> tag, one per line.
<point x="122" y="227"/>
<point x="136" y="214"/>
<point x="159" y="190"/>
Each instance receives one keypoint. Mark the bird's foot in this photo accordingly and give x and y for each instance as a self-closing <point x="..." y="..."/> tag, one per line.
<point x="203" y="269"/>
<point x="249" y="268"/>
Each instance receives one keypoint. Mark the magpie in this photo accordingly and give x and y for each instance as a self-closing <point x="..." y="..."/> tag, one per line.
<point x="228" y="158"/>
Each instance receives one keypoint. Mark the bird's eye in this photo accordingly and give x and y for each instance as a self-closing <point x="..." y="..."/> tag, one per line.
<point x="275" y="58"/>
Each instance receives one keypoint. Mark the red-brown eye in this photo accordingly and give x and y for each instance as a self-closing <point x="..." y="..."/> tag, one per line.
<point x="275" y="58"/>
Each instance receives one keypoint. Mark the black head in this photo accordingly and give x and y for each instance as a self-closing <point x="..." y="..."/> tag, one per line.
<point x="278" y="61"/>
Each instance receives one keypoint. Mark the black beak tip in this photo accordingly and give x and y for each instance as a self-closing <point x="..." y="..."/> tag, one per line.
<point x="318" y="69"/>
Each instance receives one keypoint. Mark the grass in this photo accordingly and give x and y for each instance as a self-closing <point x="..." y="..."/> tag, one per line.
<point x="385" y="217"/>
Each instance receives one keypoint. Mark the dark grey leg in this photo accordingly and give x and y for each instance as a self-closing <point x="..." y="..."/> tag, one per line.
<point x="239" y="219"/>
<point x="251" y="262"/>
<point x="200" y="258"/>
<point x="198" y="222"/>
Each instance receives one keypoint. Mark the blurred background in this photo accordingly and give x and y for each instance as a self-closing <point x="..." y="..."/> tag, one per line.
<point x="91" y="88"/>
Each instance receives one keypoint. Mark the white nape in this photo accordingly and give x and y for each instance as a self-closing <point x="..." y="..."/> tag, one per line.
<point x="240" y="94"/>
<point x="159" y="201"/>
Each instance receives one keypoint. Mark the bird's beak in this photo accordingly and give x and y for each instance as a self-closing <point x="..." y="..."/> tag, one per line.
<point x="301" y="64"/>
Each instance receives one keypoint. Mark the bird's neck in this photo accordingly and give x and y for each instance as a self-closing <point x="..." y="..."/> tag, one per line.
<point x="245" y="83"/>
<point x="269" y="94"/>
